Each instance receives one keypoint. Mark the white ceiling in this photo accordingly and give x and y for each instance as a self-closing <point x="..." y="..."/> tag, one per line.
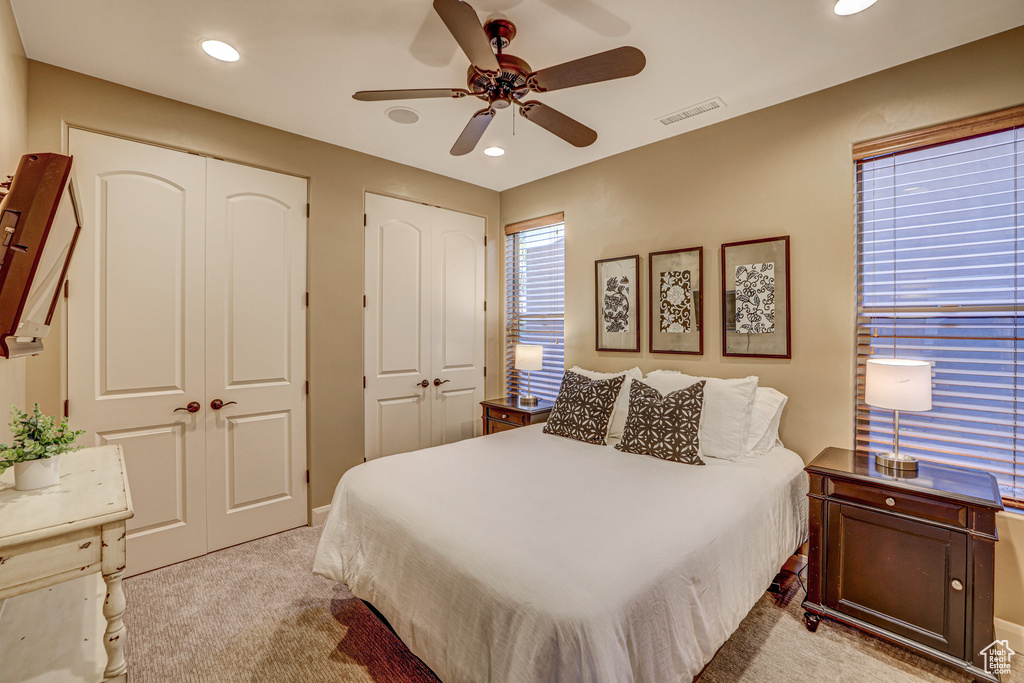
<point x="303" y="59"/>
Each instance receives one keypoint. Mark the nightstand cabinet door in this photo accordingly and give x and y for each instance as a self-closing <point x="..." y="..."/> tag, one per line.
<point x="905" y="576"/>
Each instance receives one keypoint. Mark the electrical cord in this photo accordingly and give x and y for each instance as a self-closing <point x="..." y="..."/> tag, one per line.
<point x="799" y="579"/>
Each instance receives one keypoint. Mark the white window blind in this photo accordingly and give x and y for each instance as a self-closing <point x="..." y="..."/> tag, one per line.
<point x="535" y="302"/>
<point x="940" y="277"/>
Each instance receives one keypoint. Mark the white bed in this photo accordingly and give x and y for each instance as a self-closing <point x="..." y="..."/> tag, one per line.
<point x="523" y="556"/>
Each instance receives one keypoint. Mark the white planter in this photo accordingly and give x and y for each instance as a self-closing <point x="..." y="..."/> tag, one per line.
<point x="36" y="474"/>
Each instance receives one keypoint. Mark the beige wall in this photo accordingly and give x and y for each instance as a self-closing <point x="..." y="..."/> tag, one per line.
<point x="785" y="170"/>
<point x="338" y="178"/>
<point x="13" y="109"/>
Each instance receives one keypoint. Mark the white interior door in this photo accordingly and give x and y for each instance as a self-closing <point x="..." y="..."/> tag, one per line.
<point x="457" y="325"/>
<point x="255" y="352"/>
<point x="423" y="323"/>
<point x="135" y="333"/>
<point x="396" y="324"/>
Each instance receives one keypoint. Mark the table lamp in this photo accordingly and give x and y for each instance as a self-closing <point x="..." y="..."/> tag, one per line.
<point x="528" y="359"/>
<point x="898" y="384"/>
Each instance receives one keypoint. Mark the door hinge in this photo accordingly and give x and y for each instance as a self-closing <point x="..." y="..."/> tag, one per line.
<point x="307" y="387"/>
<point x="307" y="299"/>
<point x="485" y="305"/>
<point x="364" y="381"/>
<point x="364" y="220"/>
<point x="485" y="371"/>
<point x="67" y="408"/>
<point x="364" y="301"/>
<point x="485" y="240"/>
<point x="307" y="209"/>
<point x="67" y="288"/>
<point x="307" y="476"/>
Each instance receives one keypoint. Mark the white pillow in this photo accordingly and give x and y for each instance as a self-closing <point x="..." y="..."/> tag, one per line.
<point x="618" y="420"/>
<point x="763" y="434"/>
<point x="725" y="420"/>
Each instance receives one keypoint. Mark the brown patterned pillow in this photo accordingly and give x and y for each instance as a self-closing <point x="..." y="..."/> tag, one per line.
<point x="664" y="426"/>
<point x="583" y="407"/>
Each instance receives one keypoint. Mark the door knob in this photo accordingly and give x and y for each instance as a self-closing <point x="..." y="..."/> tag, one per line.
<point x="423" y="384"/>
<point x="217" y="404"/>
<point x="193" y="407"/>
<point x="438" y="382"/>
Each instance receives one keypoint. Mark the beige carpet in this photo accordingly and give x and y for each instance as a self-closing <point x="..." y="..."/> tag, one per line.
<point x="256" y="613"/>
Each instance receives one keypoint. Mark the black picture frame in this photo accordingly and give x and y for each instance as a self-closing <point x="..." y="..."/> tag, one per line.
<point x="755" y="273"/>
<point x="617" y="303"/>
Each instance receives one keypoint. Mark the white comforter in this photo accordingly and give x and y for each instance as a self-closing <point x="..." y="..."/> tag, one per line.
<point x="523" y="556"/>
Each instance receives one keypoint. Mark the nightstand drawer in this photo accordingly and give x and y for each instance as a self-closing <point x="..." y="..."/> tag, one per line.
<point x="506" y="415"/>
<point x="898" y="501"/>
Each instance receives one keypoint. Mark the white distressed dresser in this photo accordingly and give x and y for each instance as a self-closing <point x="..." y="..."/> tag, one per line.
<point x="59" y="533"/>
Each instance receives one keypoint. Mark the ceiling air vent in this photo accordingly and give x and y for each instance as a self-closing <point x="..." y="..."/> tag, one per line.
<point x="695" y="110"/>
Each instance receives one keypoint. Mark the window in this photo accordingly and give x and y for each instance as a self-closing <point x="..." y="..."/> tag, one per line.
<point x="535" y="301"/>
<point x="940" y="277"/>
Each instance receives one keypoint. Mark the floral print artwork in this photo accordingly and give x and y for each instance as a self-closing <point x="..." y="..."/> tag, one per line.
<point x="676" y="301"/>
<point x="616" y="304"/>
<point x="755" y="298"/>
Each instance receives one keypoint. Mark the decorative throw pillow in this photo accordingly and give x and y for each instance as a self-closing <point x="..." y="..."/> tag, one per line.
<point x="583" y="407"/>
<point x="725" y="418"/>
<point x="617" y="422"/>
<point x="665" y="426"/>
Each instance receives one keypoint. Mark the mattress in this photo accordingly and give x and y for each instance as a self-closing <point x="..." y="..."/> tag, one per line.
<point x="523" y="556"/>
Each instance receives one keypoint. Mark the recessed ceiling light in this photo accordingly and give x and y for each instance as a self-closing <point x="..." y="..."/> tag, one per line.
<point x="494" y="151"/>
<point x="402" y="115"/>
<point x="847" y="7"/>
<point x="220" y="50"/>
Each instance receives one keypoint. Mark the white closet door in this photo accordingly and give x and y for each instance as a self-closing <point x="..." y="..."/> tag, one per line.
<point x="396" y="324"/>
<point x="457" y="325"/>
<point x="135" y="333"/>
<point x="255" y="352"/>
<point x="424" y="322"/>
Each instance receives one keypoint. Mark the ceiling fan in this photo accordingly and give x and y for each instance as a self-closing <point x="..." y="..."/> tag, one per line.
<point x="502" y="80"/>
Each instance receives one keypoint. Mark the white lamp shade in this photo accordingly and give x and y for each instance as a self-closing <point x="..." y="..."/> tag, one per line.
<point x="898" y="384"/>
<point x="529" y="357"/>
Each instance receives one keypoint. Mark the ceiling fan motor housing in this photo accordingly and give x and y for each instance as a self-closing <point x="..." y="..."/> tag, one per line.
<point x="510" y="83"/>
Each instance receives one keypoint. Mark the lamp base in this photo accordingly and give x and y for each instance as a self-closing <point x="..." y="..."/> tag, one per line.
<point x="892" y="461"/>
<point x="528" y="400"/>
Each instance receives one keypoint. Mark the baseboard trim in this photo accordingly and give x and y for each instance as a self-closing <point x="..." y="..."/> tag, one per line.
<point x="319" y="515"/>
<point x="1011" y="632"/>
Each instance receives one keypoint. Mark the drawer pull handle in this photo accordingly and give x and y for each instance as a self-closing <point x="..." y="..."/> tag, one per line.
<point x="890" y="502"/>
<point x="504" y="416"/>
<point x="957" y="586"/>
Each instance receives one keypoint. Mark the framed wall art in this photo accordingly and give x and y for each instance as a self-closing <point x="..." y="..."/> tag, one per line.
<point x="676" y="306"/>
<point x="755" y="298"/>
<point x="618" y="303"/>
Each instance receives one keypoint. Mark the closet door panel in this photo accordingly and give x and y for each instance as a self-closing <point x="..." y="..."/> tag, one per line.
<point x="135" y="333"/>
<point x="457" y="325"/>
<point x="256" y="352"/>
<point x="396" y="326"/>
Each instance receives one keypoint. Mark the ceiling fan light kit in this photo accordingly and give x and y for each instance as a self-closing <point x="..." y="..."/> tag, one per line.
<point x="502" y="80"/>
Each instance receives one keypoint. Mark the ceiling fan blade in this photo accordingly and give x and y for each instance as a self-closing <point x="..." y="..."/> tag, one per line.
<point x="381" y="95"/>
<point x="554" y="121"/>
<point x="604" y="66"/>
<point x="464" y="24"/>
<point x="473" y="131"/>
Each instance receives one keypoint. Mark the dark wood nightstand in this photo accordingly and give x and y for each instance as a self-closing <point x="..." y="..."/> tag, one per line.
<point x="508" y="413"/>
<point x="908" y="559"/>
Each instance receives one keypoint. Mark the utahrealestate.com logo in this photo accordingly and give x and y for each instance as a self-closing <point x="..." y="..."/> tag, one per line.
<point x="997" y="657"/>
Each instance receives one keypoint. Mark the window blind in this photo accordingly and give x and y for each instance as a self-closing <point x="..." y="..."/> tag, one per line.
<point x="940" y="277"/>
<point x="535" y="302"/>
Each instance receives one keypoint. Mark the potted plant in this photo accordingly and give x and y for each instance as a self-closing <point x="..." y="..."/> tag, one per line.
<point x="35" y="453"/>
